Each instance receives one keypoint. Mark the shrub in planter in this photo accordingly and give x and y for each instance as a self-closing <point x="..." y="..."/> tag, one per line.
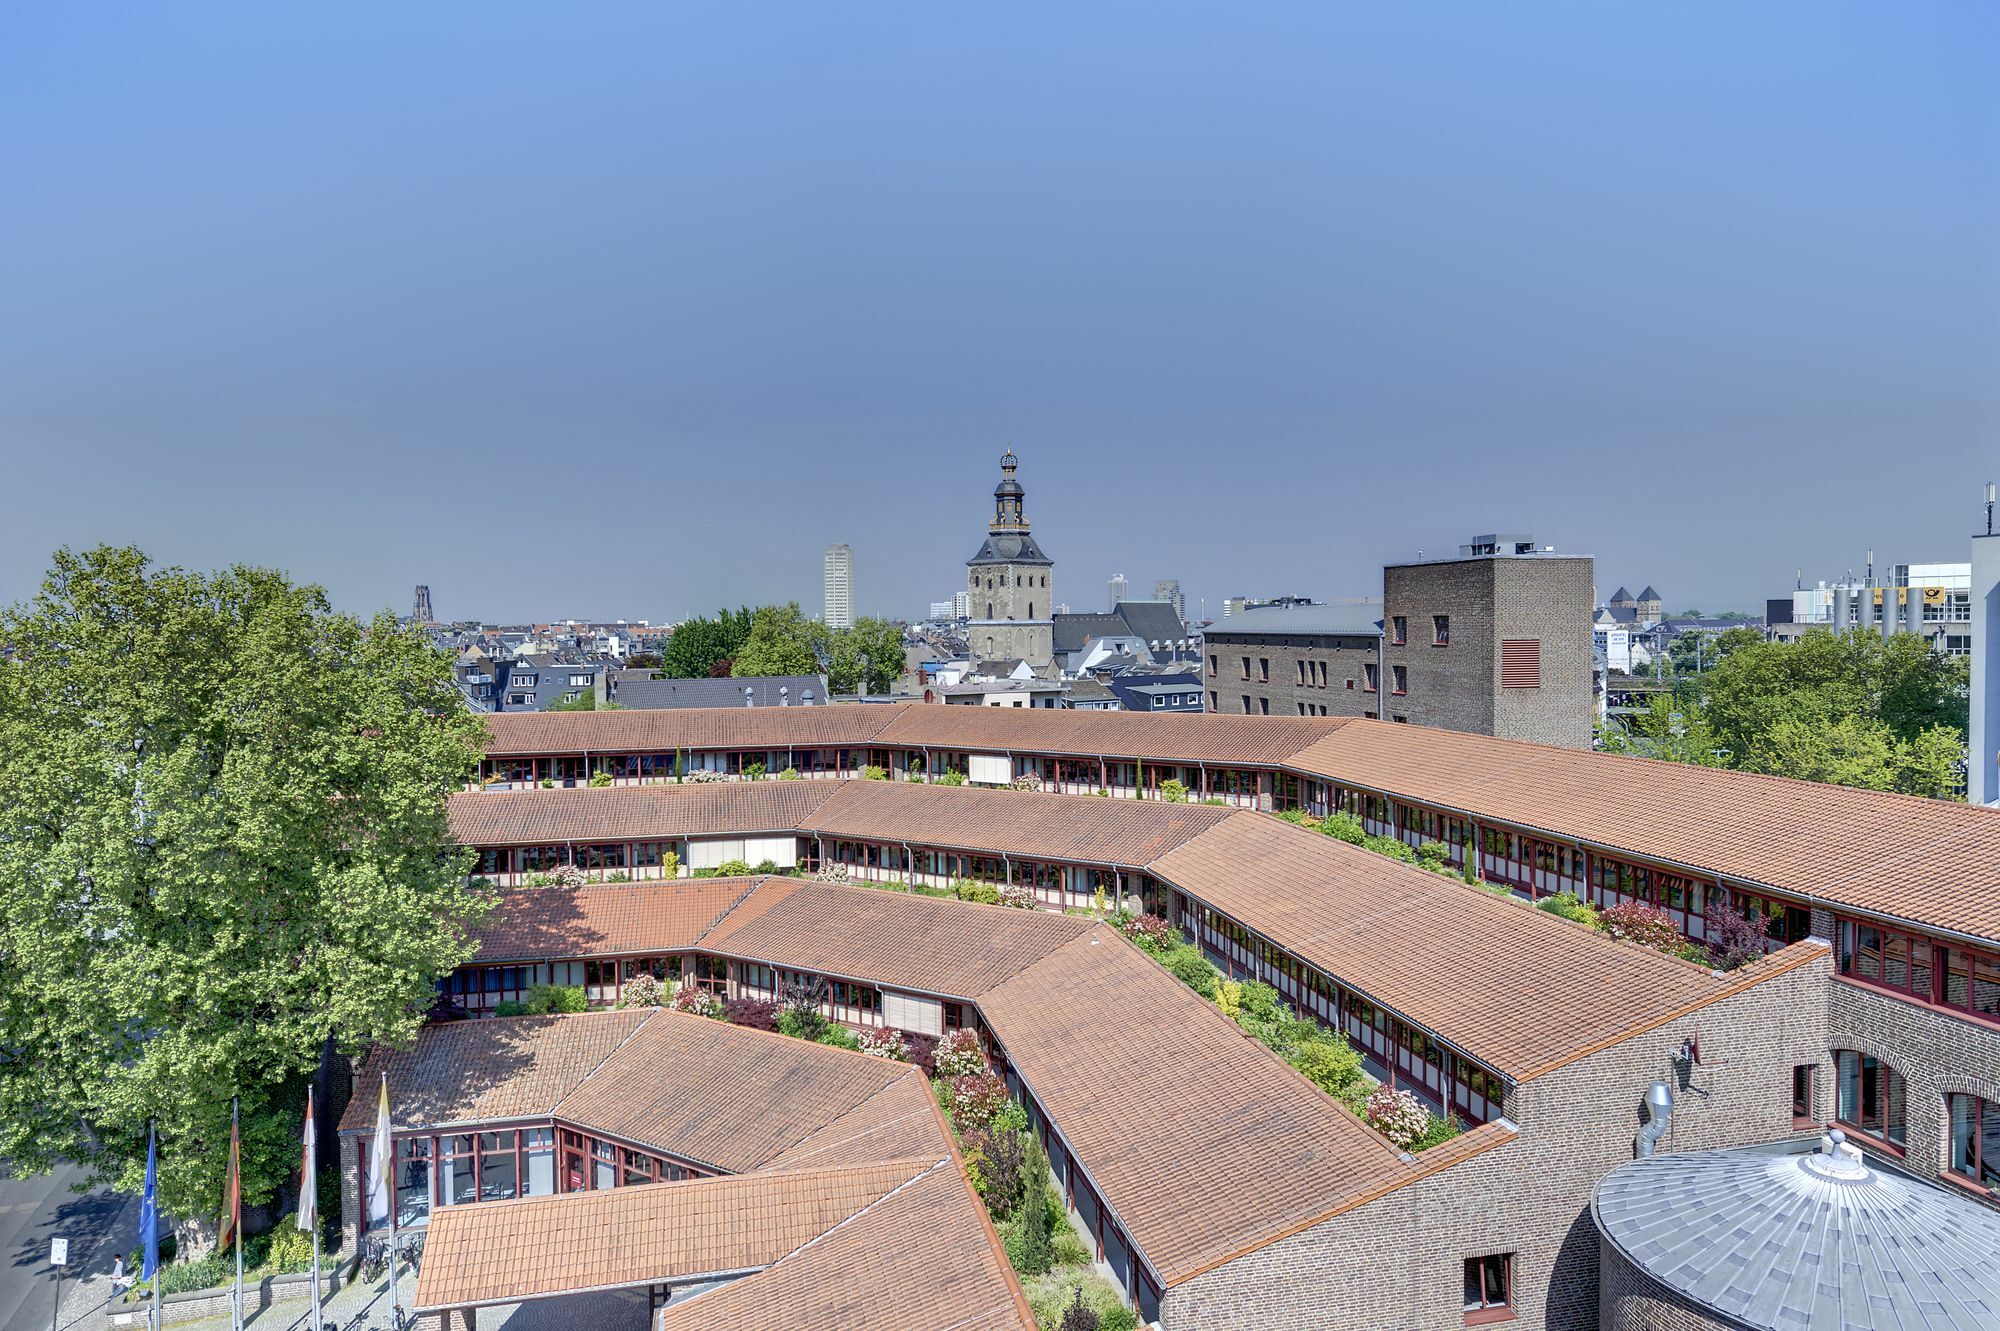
<point x="753" y="771"/>
<point x="642" y="990"/>
<point x="1151" y="933"/>
<point x="548" y="783"/>
<point x="1735" y="938"/>
<point x="839" y="1037"/>
<point x="884" y="1042"/>
<point x="1192" y="969"/>
<point x="802" y="1017"/>
<point x="1050" y="1297"/>
<point x="1025" y="781"/>
<point x="1067" y="1248"/>
<point x="1229" y="997"/>
<point x="1396" y="1114"/>
<point x="759" y="1014"/>
<point x="976" y="1099"/>
<point x="1020" y="898"/>
<point x="1344" y="827"/>
<point x="1329" y="1063"/>
<point x="510" y="1009"/>
<point x="1300" y="817"/>
<point x="1435" y="856"/>
<point x="1440" y="1130"/>
<point x="993" y="1159"/>
<point x="1028" y="1246"/>
<point x="767" y="866"/>
<point x="697" y="1001"/>
<point x="1262" y="1002"/>
<point x="549" y="998"/>
<point x="873" y="773"/>
<point x="1173" y="791"/>
<point x="1646" y="925"/>
<point x="1394" y="847"/>
<point x="733" y="869"/>
<point x="1571" y="907"/>
<point x="600" y="780"/>
<point x="952" y="778"/>
<point x="702" y="776"/>
<point x="958" y="1054"/>
<point x="919" y="1050"/>
<point x="617" y="876"/>
<point x="1079" y="1316"/>
<point x="971" y="889"/>
<point x="835" y="872"/>
<point x="789" y="774"/>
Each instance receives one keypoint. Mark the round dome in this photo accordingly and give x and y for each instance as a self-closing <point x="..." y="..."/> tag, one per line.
<point x="1787" y="1241"/>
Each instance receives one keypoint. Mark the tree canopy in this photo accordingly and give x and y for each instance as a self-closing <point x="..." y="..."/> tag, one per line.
<point x="703" y="648"/>
<point x="223" y="845"/>
<point x="783" y="641"/>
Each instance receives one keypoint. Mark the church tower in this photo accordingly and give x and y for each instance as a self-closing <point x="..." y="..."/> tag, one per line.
<point x="1008" y="581"/>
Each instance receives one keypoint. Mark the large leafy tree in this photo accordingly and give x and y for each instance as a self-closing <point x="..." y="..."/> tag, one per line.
<point x="783" y="641"/>
<point x="223" y="848"/>
<point x="867" y="656"/>
<point x="704" y="648"/>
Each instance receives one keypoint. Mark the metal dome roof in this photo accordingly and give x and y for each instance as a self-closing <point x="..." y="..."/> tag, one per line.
<point x="1822" y="1239"/>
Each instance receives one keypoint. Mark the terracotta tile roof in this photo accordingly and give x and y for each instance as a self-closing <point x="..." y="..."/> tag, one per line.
<point x="899" y="1120"/>
<point x="894" y="938"/>
<point x="1932" y="861"/>
<point x="633" y="813"/>
<point x="1201" y="1140"/>
<point x="1190" y="738"/>
<point x="1512" y="986"/>
<point x="499" y="1252"/>
<point x="663" y="730"/>
<point x="481" y="1071"/>
<point x="1021" y="823"/>
<point x="727" y="1096"/>
<point x="545" y="923"/>
<point x="922" y="1257"/>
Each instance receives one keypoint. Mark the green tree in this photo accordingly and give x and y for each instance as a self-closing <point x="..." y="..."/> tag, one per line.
<point x="1932" y="764"/>
<point x="876" y="646"/>
<point x="1845" y="750"/>
<point x="1670" y="729"/>
<point x="703" y="648"/>
<point x="1918" y="689"/>
<point x="223" y="846"/>
<point x="782" y="641"/>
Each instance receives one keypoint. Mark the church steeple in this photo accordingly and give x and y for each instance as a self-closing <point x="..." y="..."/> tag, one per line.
<point x="1007" y="496"/>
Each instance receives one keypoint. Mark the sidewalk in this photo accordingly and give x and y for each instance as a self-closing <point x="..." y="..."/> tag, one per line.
<point x="362" y="1300"/>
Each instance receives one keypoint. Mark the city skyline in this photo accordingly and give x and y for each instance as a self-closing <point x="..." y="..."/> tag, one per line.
<point x="1248" y="298"/>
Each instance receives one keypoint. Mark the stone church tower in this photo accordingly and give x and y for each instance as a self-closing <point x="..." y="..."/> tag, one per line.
<point x="1009" y="584"/>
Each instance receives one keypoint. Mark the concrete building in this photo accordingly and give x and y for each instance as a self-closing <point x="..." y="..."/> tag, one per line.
<point x="1494" y="640"/>
<point x="1119" y="589"/>
<point x="1169" y="590"/>
<point x="1983" y="605"/>
<point x="838" y="579"/>
<point x="1007" y="584"/>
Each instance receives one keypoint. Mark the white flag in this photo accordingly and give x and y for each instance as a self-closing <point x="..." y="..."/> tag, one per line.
<point x="309" y="1173"/>
<point x="381" y="1162"/>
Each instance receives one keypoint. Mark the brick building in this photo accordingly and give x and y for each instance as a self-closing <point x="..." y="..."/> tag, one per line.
<point x="1294" y="660"/>
<point x="1007" y="582"/>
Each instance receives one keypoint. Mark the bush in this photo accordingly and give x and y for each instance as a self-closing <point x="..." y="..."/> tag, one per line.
<point x="994" y="1158"/>
<point x="616" y="876"/>
<point x="952" y="778"/>
<point x="1261" y="1001"/>
<point x="1394" y="847"/>
<point x="1151" y="933"/>
<point x="838" y="1036"/>
<point x="1025" y="781"/>
<point x="1435" y="856"/>
<point x="789" y="774"/>
<point x="802" y="1017"/>
<point x="510" y="1008"/>
<point x="291" y="1247"/>
<point x="548" y="998"/>
<point x="1735" y="939"/>
<point x="753" y="771"/>
<point x="670" y="864"/>
<point x="969" y="889"/>
<point x="874" y="773"/>
<point x="696" y="1001"/>
<point x="1191" y="968"/>
<point x="702" y="776"/>
<point x="920" y="1050"/>
<point x="1344" y="827"/>
<point x="1397" y="1115"/>
<point x="1051" y="1296"/>
<point x="767" y="866"/>
<point x="958" y="1054"/>
<point x="600" y="780"/>
<point x="757" y="1014"/>
<point x="1173" y="792"/>
<point x="1020" y="898"/>
<point x="733" y="869"/>
<point x="1330" y="1063"/>
<point x="642" y="990"/>
<point x="884" y="1042"/>
<point x="1646" y="925"/>
<point x="1296" y="816"/>
<point x="1440" y="1130"/>
<point x="1571" y="907"/>
<point x="1067" y="1248"/>
<point x="976" y="1099"/>
<point x="1229" y="997"/>
<point x="1030" y="1252"/>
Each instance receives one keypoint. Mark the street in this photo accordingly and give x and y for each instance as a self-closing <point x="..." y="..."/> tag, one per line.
<point x="34" y="1210"/>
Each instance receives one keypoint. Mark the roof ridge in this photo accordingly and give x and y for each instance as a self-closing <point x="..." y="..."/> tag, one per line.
<point x="858" y="1105"/>
<point x="611" y="1053"/>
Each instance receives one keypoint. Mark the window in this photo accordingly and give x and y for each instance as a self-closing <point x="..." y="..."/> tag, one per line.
<point x="1369" y="673"/>
<point x="539" y="1145"/>
<point x="1213" y="704"/>
<point x="1264" y="706"/>
<point x="1399" y="630"/>
<point x="1871" y="1097"/>
<point x="1927" y="971"/>
<point x="1211" y="665"/>
<point x="1399" y="677"/>
<point x="1440" y="630"/>
<point x="1802" y="1094"/>
<point x="1489" y="1288"/>
<point x="1264" y="669"/>
<point x="1975" y="1139"/>
<point x="1247" y="708"/>
<point x="1400" y="720"/>
<point x="1246" y="667"/>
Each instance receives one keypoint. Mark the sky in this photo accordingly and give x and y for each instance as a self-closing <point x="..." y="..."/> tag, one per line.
<point x="629" y="310"/>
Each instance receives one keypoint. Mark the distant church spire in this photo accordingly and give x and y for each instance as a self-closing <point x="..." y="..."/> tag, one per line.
<point x="1008" y="514"/>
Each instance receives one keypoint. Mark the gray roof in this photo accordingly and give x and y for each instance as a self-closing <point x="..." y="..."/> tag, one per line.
<point x="1620" y="595"/>
<point x="1350" y="620"/>
<point x="1010" y="547"/>
<point x="1649" y="594"/>
<point x="1149" y="621"/>
<point x="639" y="689"/>
<point x="1783" y="1242"/>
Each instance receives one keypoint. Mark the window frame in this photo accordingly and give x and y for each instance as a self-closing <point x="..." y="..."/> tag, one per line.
<point x="1984" y="1175"/>
<point x="1440" y="630"/>
<point x="1487" y="1311"/>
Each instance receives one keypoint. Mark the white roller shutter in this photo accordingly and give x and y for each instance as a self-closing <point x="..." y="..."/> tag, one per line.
<point x="780" y="850"/>
<point x="989" y="769"/>
<point x="910" y="1013"/>
<point x="709" y="854"/>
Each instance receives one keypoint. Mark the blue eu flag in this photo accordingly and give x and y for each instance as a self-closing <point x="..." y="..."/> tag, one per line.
<point x="149" y="1214"/>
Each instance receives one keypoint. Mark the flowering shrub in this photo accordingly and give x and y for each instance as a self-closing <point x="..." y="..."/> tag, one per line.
<point x="976" y="1099"/>
<point x="1151" y="933"/>
<point x="1637" y="922"/>
<point x="701" y="776"/>
<point x="700" y="1002"/>
<point x="1025" y="781"/>
<point x="1735" y="938"/>
<point x="884" y="1042"/>
<point x="759" y="1014"/>
<point x="1396" y="1114"/>
<point x="958" y="1054"/>
<point x="1013" y="894"/>
<point x="920" y="1050"/>
<point x="642" y="990"/>
<point x="832" y="872"/>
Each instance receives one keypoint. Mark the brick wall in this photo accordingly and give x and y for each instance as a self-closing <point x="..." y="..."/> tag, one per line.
<point x="1631" y="1300"/>
<point x="1017" y="589"/>
<point x="1397" y="1262"/>
<point x="1345" y="660"/>
<point x="1547" y="600"/>
<point x="1935" y="1052"/>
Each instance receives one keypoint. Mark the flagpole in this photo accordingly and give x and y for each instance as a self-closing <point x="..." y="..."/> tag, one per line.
<point x="309" y="1200"/>
<point x="236" y="1207"/>
<point x="151" y="1221"/>
<point x="395" y="1288"/>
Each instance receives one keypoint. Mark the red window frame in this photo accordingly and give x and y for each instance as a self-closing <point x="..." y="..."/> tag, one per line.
<point x="1883" y="1117"/>
<point x="1924" y="969"/>
<point x="1482" y="1306"/>
<point x="1982" y="1168"/>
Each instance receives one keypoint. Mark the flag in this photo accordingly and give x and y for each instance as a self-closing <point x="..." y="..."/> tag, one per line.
<point x="309" y="1173"/>
<point x="149" y="1213"/>
<point x="232" y="1191"/>
<point x="381" y="1162"/>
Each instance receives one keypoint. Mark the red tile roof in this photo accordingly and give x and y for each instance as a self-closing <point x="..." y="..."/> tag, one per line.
<point x="548" y="923"/>
<point x="633" y="813"/>
<point x="665" y="730"/>
<point x="1192" y="739"/>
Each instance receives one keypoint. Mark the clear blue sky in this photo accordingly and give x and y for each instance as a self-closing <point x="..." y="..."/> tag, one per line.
<point x="631" y="309"/>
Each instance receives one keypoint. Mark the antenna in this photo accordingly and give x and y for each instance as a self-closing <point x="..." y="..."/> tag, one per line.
<point x="1989" y="508"/>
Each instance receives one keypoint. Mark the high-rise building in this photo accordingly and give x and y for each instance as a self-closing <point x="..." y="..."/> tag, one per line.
<point x="1119" y="589"/>
<point x="420" y="605"/>
<point x="1007" y="583"/>
<point x="1169" y="590"/>
<point x="961" y="606"/>
<point x="839" y="587"/>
